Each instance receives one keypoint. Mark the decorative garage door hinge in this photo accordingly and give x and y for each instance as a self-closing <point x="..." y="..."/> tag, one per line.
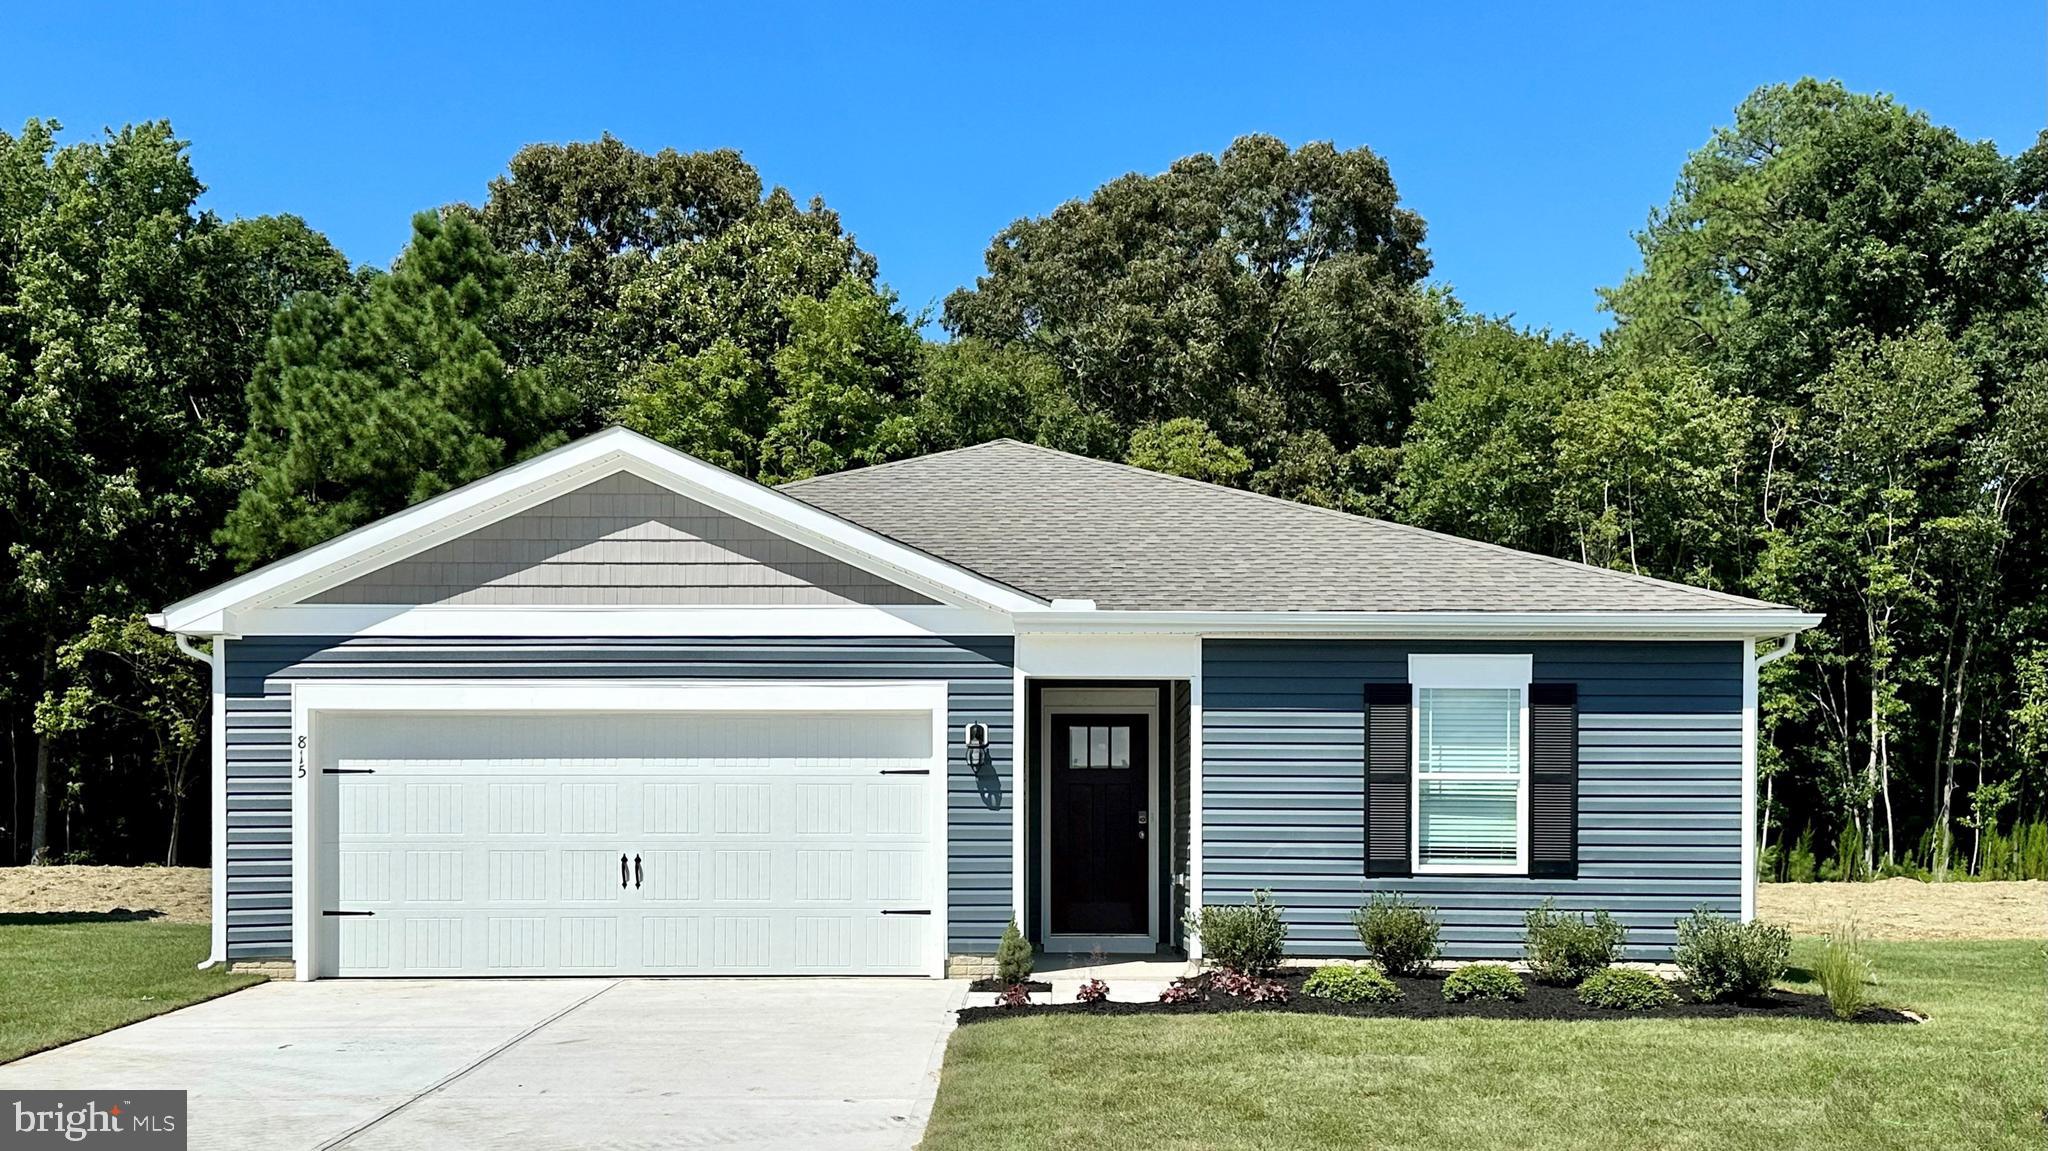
<point x="917" y="911"/>
<point x="348" y="913"/>
<point x="348" y="771"/>
<point x="906" y="771"/>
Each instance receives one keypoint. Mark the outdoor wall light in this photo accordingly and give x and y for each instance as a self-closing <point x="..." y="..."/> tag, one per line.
<point x="977" y="746"/>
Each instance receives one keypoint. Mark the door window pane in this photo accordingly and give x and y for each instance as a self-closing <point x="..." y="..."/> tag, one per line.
<point x="1077" y="747"/>
<point x="1119" y="746"/>
<point x="1098" y="747"/>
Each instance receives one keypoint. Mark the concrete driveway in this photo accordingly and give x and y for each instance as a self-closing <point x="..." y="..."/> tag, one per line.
<point x="572" y="1063"/>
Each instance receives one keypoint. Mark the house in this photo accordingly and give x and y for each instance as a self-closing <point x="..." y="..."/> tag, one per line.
<point x="615" y="710"/>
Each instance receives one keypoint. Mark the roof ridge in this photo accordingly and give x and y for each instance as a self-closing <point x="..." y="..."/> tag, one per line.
<point x="866" y="468"/>
<point x="1373" y="521"/>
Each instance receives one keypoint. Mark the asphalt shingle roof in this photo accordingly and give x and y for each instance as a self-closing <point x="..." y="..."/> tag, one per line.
<point x="1064" y="526"/>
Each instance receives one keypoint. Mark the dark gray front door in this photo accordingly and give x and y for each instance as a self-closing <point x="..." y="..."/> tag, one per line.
<point x="1100" y="777"/>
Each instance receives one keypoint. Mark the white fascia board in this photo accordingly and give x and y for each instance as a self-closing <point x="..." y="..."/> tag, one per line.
<point x="543" y="477"/>
<point x="1424" y="625"/>
<point x="569" y="621"/>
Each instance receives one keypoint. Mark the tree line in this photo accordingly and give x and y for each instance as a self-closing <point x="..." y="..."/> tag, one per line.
<point x="1825" y="385"/>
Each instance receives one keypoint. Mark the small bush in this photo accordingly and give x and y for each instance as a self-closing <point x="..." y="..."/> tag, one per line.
<point x="1350" y="985"/>
<point x="1722" y="959"/>
<point x="1844" y="972"/>
<point x="1564" y="948"/>
<point x="1483" y="981"/>
<point x="1013" y="956"/>
<point x="1180" y="991"/>
<point x="1015" y="995"/>
<point x="1246" y="937"/>
<point x="1398" y="935"/>
<point x="1093" y="991"/>
<point x="1624" y="989"/>
<point x="1268" y="991"/>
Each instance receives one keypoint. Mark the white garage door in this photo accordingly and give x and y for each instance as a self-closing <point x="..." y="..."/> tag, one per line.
<point x="652" y="843"/>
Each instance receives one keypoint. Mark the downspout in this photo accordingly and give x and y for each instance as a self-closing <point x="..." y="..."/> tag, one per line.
<point x="1752" y="848"/>
<point x="217" y="792"/>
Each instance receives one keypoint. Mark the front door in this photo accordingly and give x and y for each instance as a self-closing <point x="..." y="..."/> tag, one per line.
<point x="1100" y="773"/>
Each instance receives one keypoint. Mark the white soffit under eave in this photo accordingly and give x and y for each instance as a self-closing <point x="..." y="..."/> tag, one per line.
<point x="532" y="482"/>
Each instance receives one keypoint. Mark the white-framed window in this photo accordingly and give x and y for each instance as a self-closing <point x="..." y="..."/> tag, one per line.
<point x="1470" y="789"/>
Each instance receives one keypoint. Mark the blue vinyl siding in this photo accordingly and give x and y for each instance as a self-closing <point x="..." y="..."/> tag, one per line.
<point x="1660" y="788"/>
<point x="261" y="672"/>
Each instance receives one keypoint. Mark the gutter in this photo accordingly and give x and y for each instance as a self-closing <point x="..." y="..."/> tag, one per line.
<point x="217" y="669"/>
<point x="1425" y="624"/>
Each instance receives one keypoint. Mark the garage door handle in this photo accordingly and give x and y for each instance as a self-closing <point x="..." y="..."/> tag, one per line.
<point x="636" y="871"/>
<point x="622" y="869"/>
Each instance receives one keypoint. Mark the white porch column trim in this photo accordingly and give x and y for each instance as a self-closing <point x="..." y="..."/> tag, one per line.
<point x="1194" y="900"/>
<point x="218" y="781"/>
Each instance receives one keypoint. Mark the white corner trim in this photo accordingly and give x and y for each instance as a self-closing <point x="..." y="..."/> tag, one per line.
<point x="312" y="700"/>
<point x="1752" y="732"/>
<point x="533" y="481"/>
<point x="217" y="779"/>
<point x="1194" y="896"/>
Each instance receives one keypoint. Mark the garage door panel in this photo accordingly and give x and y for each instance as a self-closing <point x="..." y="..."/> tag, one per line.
<point x="494" y="844"/>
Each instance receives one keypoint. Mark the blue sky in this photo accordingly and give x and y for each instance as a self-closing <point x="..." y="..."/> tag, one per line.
<point x="1533" y="138"/>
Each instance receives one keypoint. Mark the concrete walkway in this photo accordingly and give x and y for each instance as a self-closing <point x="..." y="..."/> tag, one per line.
<point x="557" y="1063"/>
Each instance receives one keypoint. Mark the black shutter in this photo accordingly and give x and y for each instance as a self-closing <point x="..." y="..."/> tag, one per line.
<point x="1387" y="764"/>
<point x="1554" y="779"/>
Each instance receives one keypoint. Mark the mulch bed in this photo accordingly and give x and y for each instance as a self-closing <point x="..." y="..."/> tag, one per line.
<point x="993" y="984"/>
<point x="1423" y="998"/>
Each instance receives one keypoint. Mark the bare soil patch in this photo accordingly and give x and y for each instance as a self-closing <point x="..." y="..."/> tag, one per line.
<point x="178" y="894"/>
<point x="1909" y="909"/>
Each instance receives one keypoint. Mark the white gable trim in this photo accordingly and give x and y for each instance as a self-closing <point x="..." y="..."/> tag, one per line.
<point x="535" y="481"/>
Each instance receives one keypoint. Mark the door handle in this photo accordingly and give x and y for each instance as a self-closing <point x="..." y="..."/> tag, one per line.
<point x="636" y="871"/>
<point x="1141" y="824"/>
<point x="622" y="869"/>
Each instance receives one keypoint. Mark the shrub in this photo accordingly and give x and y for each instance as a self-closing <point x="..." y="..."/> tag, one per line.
<point x="1180" y="991"/>
<point x="1564" y="948"/>
<point x="1232" y="982"/>
<point x="1722" y="959"/>
<point x="1350" y="985"/>
<point x="1844" y="972"/>
<point x="1093" y="991"/>
<point x="1400" y="936"/>
<point x="1015" y="995"/>
<point x="1624" y="989"/>
<point x="1013" y="956"/>
<point x="1483" y="981"/>
<point x="1247" y="937"/>
<point x="1268" y="991"/>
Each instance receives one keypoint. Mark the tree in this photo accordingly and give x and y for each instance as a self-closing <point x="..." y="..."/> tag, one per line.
<point x="126" y="669"/>
<point x="836" y="394"/>
<point x="1879" y="286"/>
<point x="1267" y="291"/>
<point x="971" y="392"/>
<point x="1479" y="457"/>
<point x="366" y="404"/>
<point x="126" y="317"/>
<point x="1186" y="447"/>
<point x="625" y="264"/>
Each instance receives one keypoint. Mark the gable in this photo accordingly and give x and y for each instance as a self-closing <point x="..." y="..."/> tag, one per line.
<point x="621" y="540"/>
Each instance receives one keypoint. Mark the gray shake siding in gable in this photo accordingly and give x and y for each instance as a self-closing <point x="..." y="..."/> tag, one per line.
<point x="260" y="673"/>
<point x="620" y="540"/>
<point x="1660" y="790"/>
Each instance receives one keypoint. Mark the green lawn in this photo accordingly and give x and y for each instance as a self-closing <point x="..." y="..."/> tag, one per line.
<point x="64" y="977"/>
<point x="1970" y="1077"/>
